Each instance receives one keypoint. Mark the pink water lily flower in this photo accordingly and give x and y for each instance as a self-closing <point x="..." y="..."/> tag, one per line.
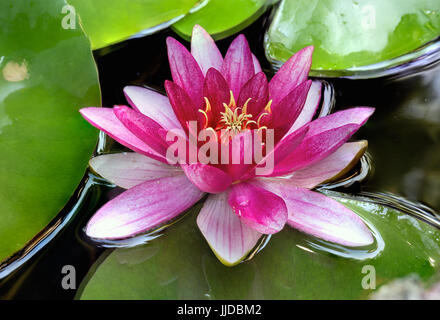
<point x="229" y="93"/>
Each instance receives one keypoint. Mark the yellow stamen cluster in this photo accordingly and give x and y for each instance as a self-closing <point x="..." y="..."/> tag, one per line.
<point x="268" y="111"/>
<point x="205" y="112"/>
<point x="234" y="119"/>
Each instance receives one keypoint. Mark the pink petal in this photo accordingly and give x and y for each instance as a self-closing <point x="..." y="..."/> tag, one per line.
<point x="258" y="208"/>
<point x="325" y="218"/>
<point x="144" y="207"/>
<point x="228" y="237"/>
<point x="241" y="151"/>
<point x="143" y="127"/>
<point x="285" y="113"/>
<point x="238" y="66"/>
<point x="216" y="89"/>
<point x="325" y="136"/>
<point x="105" y="120"/>
<point x="257" y="67"/>
<point x="310" y="107"/>
<point x="257" y="89"/>
<point x="315" y="148"/>
<point x="185" y="71"/>
<point x="285" y="148"/>
<point x="338" y="163"/>
<point x="357" y="116"/>
<point x="152" y="104"/>
<point x="182" y="104"/>
<point x="292" y="73"/>
<point x="204" y="50"/>
<point x="321" y="216"/>
<point x="207" y="178"/>
<point x="129" y="169"/>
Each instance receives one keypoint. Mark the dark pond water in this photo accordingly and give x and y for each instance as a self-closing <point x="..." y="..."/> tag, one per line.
<point x="403" y="135"/>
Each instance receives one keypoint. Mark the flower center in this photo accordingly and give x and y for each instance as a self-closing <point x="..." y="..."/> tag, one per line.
<point x="233" y="119"/>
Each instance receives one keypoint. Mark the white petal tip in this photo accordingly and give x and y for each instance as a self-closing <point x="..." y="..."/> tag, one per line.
<point x="94" y="231"/>
<point x="364" y="238"/>
<point x="229" y="239"/>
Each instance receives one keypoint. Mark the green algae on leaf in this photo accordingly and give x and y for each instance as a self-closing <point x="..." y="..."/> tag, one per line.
<point x="291" y="266"/>
<point x="350" y="33"/>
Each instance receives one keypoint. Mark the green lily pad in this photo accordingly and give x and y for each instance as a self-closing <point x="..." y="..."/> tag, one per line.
<point x="222" y="18"/>
<point x="180" y="265"/>
<point x="110" y="21"/>
<point x="46" y="74"/>
<point x="351" y="33"/>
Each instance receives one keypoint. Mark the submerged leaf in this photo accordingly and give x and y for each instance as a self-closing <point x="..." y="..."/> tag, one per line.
<point x="291" y="266"/>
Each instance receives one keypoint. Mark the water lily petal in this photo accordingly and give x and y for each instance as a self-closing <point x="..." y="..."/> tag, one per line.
<point x="216" y="89"/>
<point x="228" y="237"/>
<point x="182" y="104"/>
<point x="105" y="120"/>
<point x="144" y="207"/>
<point x="238" y="66"/>
<point x="282" y="150"/>
<point x="358" y="116"/>
<point x="185" y="71"/>
<point x="310" y="107"/>
<point x="241" y="151"/>
<point x="336" y="165"/>
<point x="325" y="135"/>
<point x="128" y="169"/>
<point x="285" y="113"/>
<point x="143" y="127"/>
<point x="257" y="66"/>
<point x="258" y="208"/>
<point x="207" y="178"/>
<point x="292" y="73"/>
<point x="256" y="89"/>
<point x="204" y="50"/>
<point x="152" y="104"/>
<point x="315" y="148"/>
<point x="316" y="214"/>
